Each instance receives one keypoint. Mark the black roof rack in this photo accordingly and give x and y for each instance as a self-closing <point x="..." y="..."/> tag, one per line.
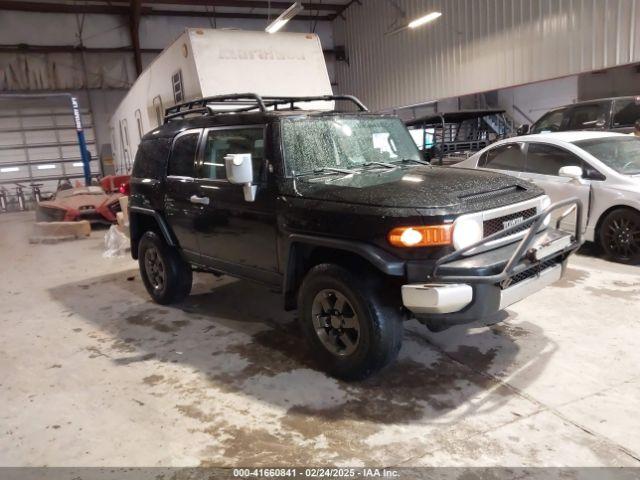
<point x="247" y="102"/>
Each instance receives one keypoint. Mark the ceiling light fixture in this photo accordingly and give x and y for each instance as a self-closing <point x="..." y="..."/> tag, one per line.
<point x="284" y="17"/>
<point x="425" y="19"/>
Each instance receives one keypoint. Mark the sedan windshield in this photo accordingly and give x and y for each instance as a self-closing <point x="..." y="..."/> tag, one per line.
<point x="622" y="153"/>
<point x="345" y="143"/>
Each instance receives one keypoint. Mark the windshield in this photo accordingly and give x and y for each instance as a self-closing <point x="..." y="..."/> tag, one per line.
<point x="620" y="153"/>
<point x="345" y="143"/>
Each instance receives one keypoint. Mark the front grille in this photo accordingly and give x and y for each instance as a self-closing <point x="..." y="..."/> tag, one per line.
<point x="531" y="272"/>
<point x="496" y="225"/>
<point x="491" y="194"/>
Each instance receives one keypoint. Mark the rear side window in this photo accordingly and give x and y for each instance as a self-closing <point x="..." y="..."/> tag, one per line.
<point x="183" y="155"/>
<point x="504" y="157"/>
<point x="225" y="142"/>
<point x="548" y="160"/>
<point x="626" y="112"/>
<point x="151" y="158"/>
<point x="551" y="122"/>
<point x="591" y="115"/>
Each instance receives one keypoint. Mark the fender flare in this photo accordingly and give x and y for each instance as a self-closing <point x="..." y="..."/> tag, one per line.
<point x="383" y="261"/>
<point x="162" y="223"/>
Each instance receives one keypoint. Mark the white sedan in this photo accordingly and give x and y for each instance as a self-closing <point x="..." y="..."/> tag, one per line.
<point x="600" y="168"/>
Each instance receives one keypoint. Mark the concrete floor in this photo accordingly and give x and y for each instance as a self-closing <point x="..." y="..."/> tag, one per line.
<point x="93" y="374"/>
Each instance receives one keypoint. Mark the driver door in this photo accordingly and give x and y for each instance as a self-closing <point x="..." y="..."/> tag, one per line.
<point x="543" y="162"/>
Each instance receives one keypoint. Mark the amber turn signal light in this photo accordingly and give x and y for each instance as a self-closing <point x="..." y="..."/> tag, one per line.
<point x="425" y="236"/>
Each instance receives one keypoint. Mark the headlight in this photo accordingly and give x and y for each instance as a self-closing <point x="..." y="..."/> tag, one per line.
<point x="422" y="236"/>
<point x="466" y="232"/>
<point x="544" y="204"/>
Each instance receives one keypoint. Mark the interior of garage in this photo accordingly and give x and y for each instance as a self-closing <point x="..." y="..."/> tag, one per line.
<point x="93" y="373"/>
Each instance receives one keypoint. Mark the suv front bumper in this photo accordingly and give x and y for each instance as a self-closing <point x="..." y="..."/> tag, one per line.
<point x="462" y="288"/>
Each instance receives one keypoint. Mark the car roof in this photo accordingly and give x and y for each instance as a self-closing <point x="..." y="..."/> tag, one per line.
<point x="597" y="100"/>
<point x="569" y="136"/>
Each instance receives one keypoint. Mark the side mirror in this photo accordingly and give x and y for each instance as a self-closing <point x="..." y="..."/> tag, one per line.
<point x="240" y="172"/>
<point x="571" y="171"/>
<point x="523" y="129"/>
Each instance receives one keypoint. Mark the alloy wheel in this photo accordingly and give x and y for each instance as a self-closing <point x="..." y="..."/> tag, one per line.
<point x="336" y="322"/>
<point x="622" y="237"/>
<point x="155" y="268"/>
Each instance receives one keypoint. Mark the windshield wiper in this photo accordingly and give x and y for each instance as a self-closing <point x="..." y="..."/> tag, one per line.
<point x="409" y="160"/>
<point x="332" y="169"/>
<point x="381" y="164"/>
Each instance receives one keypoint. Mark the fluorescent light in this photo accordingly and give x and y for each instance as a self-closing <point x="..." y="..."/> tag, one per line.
<point x="426" y="19"/>
<point x="9" y="169"/>
<point x="77" y="164"/>
<point x="284" y="17"/>
<point x="46" y="167"/>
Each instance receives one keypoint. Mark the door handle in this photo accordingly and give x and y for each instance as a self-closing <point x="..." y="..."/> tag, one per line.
<point x="199" y="200"/>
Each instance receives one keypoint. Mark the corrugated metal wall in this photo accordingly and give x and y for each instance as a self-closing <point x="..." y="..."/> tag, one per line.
<point x="479" y="45"/>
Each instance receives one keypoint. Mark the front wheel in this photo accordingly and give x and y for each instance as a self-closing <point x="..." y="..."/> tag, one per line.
<point x="620" y="236"/>
<point x="350" y="325"/>
<point x="166" y="276"/>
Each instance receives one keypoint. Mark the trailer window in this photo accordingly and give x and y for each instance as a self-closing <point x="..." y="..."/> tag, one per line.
<point x="225" y="142"/>
<point x="183" y="155"/>
<point x="178" y="91"/>
<point x="139" y="124"/>
<point x="157" y="105"/>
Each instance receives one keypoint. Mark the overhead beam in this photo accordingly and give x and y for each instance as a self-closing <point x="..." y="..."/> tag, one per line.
<point x="277" y="5"/>
<point x="23" y="48"/>
<point x="343" y="9"/>
<point x="107" y="9"/>
<point x="134" y="28"/>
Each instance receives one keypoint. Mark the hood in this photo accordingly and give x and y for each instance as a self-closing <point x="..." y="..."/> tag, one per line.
<point x="418" y="187"/>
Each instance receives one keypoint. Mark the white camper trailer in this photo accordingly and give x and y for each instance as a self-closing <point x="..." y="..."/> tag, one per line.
<point x="207" y="62"/>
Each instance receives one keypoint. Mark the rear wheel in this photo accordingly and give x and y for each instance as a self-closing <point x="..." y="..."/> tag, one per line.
<point x="352" y="328"/>
<point x="166" y="276"/>
<point x="620" y="236"/>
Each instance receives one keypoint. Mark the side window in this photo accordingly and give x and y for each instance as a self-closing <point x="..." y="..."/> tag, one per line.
<point x="504" y="157"/>
<point x="547" y="159"/>
<point x="220" y="143"/>
<point x="626" y="112"/>
<point x="592" y="115"/>
<point x="550" y="122"/>
<point x="183" y="155"/>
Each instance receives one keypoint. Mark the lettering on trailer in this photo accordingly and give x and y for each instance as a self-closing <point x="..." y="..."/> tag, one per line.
<point x="512" y="223"/>
<point x="259" y="54"/>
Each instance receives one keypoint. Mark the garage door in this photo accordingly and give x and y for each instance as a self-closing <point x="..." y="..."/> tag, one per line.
<point x="39" y="145"/>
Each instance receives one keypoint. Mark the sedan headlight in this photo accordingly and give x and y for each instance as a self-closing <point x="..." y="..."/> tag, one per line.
<point x="466" y="231"/>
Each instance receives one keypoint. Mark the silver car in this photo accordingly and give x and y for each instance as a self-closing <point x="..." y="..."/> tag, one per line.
<point x="600" y="168"/>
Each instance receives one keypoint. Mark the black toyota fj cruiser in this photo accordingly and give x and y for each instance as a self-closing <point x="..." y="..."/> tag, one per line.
<point x="339" y="213"/>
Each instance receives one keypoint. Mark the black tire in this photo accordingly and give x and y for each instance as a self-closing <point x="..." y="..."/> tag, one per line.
<point x="619" y="236"/>
<point x="379" y="336"/>
<point x="168" y="281"/>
